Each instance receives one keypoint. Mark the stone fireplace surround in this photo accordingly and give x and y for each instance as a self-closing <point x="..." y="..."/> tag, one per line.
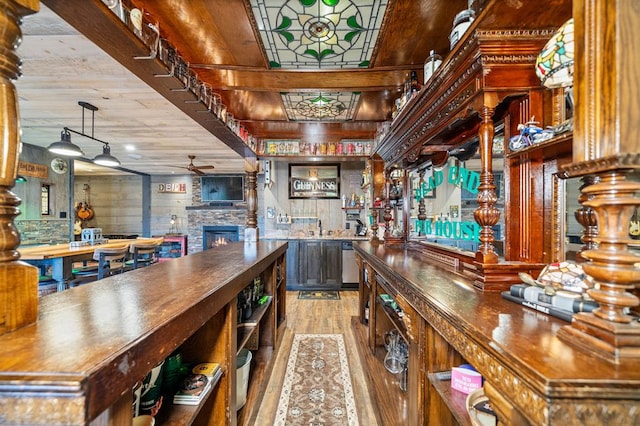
<point x="211" y="234"/>
<point x="199" y="217"/>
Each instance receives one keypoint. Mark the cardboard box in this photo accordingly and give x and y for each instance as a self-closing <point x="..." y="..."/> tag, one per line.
<point x="465" y="380"/>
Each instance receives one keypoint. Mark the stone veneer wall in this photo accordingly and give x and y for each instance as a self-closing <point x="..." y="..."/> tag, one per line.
<point x="199" y="216"/>
<point x="38" y="231"/>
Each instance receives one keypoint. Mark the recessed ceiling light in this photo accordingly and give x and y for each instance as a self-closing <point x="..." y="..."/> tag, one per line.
<point x="130" y="147"/>
<point x="134" y="156"/>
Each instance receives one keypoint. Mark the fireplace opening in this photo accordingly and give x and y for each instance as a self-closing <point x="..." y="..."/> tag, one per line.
<point x="213" y="236"/>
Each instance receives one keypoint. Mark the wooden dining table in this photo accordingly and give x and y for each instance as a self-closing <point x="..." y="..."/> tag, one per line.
<point x="61" y="257"/>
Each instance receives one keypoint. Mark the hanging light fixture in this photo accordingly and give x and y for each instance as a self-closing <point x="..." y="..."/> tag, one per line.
<point x="21" y="179"/>
<point x="65" y="147"/>
<point x="554" y="65"/>
<point x="106" y="159"/>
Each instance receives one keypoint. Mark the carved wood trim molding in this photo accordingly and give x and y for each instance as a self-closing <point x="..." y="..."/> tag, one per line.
<point x="500" y="376"/>
<point x="630" y="160"/>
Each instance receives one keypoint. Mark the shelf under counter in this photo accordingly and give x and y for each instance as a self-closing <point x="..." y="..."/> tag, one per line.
<point x="392" y="404"/>
<point x="393" y="318"/>
<point x="455" y="400"/>
<point x="247" y="327"/>
<point x="146" y="323"/>
<point x="510" y="345"/>
<point x="185" y="414"/>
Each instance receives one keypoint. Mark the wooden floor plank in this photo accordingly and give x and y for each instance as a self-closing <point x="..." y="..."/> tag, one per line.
<point x="320" y="316"/>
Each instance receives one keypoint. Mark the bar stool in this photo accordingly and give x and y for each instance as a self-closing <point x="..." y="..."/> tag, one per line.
<point x="143" y="253"/>
<point x="46" y="285"/>
<point x="111" y="261"/>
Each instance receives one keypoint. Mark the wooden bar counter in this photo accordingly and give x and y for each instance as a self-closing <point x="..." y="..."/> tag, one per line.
<point x="91" y="344"/>
<point x="531" y="376"/>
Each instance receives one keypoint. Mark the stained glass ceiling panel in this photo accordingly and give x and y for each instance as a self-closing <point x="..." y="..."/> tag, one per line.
<point x="325" y="106"/>
<point x="319" y="34"/>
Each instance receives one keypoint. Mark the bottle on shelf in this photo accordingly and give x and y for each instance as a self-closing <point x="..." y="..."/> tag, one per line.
<point x="414" y="86"/>
<point x="431" y="65"/>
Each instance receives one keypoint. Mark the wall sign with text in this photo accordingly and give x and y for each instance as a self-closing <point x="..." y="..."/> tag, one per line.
<point x="314" y="181"/>
<point x="179" y="188"/>
<point x="33" y="170"/>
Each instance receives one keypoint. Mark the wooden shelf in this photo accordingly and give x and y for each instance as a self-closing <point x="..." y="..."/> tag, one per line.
<point x="248" y="327"/>
<point x="394" y="318"/>
<point x="184" y="414"/>
<point x="260" y="367"/>
<point x="392" y="403"/>
<point x="550" y="148"/>
<point x="455" y="400"/>
<point x="320" y="158"/>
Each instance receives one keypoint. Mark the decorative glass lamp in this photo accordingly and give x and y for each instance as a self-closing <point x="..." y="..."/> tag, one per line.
<point x="554" y="67"/>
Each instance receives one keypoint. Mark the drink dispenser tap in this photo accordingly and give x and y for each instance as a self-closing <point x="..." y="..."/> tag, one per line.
<point x="320" y="228"/>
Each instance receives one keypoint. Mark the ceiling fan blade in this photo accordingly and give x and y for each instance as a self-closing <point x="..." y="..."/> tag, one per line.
<point x="197" y="171"/>
<point x="206" y="167"/>
<point x="179" y="167"/>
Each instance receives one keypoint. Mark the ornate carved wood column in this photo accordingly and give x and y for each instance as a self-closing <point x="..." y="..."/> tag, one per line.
<point x="486" y="215"/>
<point x="252" y="199"/>
<point x="609" y="330"/>
<point x="386" y="216"/>
<point x="587" y="217"/>
<point x="251" y="230"/>
<point x="18" y="281"/>
<point x="605" y="152"/>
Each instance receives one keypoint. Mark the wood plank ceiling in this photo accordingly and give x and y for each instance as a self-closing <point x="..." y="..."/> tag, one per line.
<point x="220" y="41"/>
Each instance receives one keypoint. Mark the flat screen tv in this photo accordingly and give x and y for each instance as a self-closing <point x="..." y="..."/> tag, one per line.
<point x="222" y="188"/>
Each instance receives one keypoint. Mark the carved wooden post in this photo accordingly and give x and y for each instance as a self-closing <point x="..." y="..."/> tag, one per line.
<point x="252" y="199"/>
<point x="609" y="329"/>
<point x="386" y="216"/>
<point x="251" y="229"/>
<point x="587" y="217"/>
<point x="605" y="151"/>
<point x="422" y="209"/>
<point x="374" y="225"/>
<point x="18" y="281"/>
<point x="486" y="215"/>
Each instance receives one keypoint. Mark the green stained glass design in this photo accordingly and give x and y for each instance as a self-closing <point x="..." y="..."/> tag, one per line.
<point x="314" y="34"/>
<point x="325" y="106"/>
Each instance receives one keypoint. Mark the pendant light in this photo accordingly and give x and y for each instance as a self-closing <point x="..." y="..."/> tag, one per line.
<point x="65" y="147"/>
<point x="106" y="159"/>
<point x="554" y="65"/>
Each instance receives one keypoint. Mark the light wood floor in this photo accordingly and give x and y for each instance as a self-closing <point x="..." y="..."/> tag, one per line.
<point x="320" y="316"/>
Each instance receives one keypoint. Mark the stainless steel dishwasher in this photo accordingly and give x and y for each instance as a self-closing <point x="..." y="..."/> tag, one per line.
<point x="349" y="265"/>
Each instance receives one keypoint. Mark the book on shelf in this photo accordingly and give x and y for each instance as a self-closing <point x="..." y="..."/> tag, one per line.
<point x="545" y="308"/>
<point x="196" y="386"/>
<point x="568" y="302"/>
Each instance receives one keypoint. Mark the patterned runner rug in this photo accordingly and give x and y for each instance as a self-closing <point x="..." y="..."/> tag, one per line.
<point x="317" y="386"/>
<point x="319" y="295"/>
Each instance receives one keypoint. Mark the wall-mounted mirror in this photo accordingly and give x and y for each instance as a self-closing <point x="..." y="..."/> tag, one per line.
<point x="448" y="196"/>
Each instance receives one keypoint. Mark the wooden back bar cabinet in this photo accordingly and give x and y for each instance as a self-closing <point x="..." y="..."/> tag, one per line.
<point x="79" y="362"/>
<point x="531" y="376"/>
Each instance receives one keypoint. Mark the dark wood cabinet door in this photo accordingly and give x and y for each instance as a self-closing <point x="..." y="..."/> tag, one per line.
<point x="310" y="253"/>
<point x="292" y="263"/>
<point x="332" y="263"/>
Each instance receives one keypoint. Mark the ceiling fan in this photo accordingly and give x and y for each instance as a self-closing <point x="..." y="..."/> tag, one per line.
<point x="193" y="168"/>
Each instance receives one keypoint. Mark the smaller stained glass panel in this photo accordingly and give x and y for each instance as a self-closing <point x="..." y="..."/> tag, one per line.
<point x="320" y="106"/>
